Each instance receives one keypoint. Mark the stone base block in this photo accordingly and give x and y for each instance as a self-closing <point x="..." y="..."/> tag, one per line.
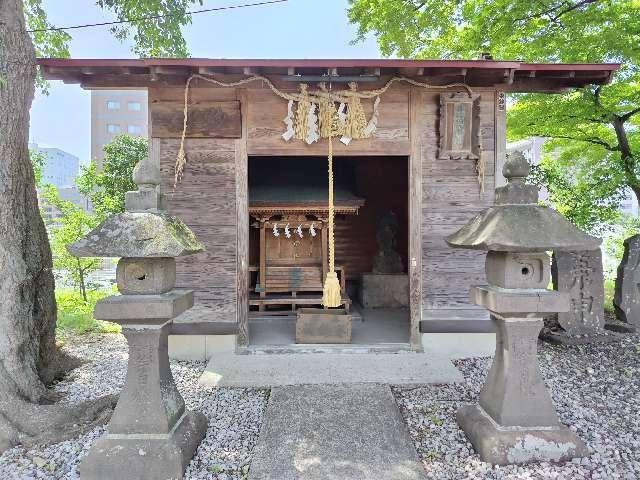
<point x="561" y="338"/>
<point x="513" y="445"/>
<point x="318" y="325"/>
<point x="157" y="456"/>
<point x="620" y="327"/>
<point x="384" y="290"/>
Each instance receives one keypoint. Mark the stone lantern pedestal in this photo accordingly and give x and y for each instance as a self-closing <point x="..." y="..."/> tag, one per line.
<point x="515" y="421"/>
<point x="150" y="435"/>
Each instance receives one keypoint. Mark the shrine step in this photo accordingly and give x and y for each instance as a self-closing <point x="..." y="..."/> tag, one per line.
<point x="347" y="432"/>
<point x="227" y="369"/>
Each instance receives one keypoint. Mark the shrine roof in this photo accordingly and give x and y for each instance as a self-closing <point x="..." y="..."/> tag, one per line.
<point x="509" y="75"/>
<point x="296" y="184"/>
<point x="301" y="196"/>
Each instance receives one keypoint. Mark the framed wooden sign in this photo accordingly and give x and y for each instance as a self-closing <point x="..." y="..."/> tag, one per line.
<point x="459" y="126"/>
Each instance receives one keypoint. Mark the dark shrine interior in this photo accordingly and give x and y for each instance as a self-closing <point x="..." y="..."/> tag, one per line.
<point x="381" y="181"/>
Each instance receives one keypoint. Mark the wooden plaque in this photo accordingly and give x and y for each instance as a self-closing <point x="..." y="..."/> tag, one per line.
<point x="459" y="125"/>
<point x="205" y="119"/>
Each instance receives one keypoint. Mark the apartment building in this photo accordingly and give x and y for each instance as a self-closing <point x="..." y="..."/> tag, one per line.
<point x="60" y="168"/>
<point x="114" y="112"/>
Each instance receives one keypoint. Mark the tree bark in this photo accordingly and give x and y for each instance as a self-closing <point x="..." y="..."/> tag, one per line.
<point x="628" y="159"/>
<point x="83" y="288"/>
<point x="29" y="358"/>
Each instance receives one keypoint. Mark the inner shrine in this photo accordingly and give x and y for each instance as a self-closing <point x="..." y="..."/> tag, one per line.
<point x="289" y="238"/>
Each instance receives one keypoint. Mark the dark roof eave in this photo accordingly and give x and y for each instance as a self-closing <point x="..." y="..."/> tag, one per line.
<point x="516" y="76"/>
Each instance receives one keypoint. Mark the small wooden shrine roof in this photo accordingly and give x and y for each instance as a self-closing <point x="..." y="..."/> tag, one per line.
<point x="292" y="185"/>
<point x="303" y="199"/>
<point x="509" y="75"/>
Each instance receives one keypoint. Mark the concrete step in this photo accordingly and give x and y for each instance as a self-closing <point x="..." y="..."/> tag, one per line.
<point x="330" y="432"/>
<point x="256" y="371"/>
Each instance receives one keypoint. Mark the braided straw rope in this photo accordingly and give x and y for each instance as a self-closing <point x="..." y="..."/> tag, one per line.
<point x="331" y="294"/>
<point x="316" y="96"/>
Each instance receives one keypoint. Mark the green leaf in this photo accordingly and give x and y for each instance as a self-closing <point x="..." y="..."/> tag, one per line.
<point x="588" y="167"/>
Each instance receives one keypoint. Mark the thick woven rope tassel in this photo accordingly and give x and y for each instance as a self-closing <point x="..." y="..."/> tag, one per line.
<point x="326" y="118"/>
<point x="331" y="295"/>
<point x="301" y="124"/>
<point x="356" y="120"/>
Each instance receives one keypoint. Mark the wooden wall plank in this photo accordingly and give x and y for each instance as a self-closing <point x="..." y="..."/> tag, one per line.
<point x="451" y="196"/>
<point x="266" y="111"/>
<point x="205" y="200"/>
<point x="205" y="119"/>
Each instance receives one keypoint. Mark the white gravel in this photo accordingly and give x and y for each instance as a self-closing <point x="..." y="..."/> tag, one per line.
<point x="235" y="416"/>
<point x="596" y="391"/>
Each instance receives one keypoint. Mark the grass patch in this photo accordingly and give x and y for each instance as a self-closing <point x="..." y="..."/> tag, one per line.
<point x="609" y="288"/>
<point x="76" y="316"/>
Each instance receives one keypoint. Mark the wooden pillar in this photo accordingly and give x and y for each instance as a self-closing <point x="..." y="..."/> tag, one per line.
<point x="415" y="218"/>
<point x="242" y="230"/>
<point x="262" y="273"/>
<point x="500" y="109"/>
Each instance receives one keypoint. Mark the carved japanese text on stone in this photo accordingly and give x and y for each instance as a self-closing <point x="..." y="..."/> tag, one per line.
<point x="579" y="273"/>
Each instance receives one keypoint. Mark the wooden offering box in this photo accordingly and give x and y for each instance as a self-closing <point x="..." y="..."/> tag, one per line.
<point x="319" y="325"/>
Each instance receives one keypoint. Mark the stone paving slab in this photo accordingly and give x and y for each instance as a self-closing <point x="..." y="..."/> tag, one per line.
<point x="334" y="432"/>
<point x="256" y="371"/>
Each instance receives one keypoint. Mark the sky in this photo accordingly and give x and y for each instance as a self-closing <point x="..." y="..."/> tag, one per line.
<point x="294" y="29"/>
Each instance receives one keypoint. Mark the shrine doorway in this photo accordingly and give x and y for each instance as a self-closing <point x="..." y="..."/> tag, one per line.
<point x="288" y="247"/>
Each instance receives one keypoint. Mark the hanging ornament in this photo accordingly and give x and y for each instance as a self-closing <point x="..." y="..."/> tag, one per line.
<point x="287" y="232"/>
<point x="373" y="122"/>
<point x="299" y="231"/>
<point x="276" y="233"/>
<point x="288" y="121"/>
<point x="312" y="230"/>
<point x="349" y="121"/>
<point x="312" y="122"/>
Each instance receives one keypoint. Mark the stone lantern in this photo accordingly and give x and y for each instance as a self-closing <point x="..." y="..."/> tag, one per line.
<point x="515" y="421"/>
<point x="150" y="435"/>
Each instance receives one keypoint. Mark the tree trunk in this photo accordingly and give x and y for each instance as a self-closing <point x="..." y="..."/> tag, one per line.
<point x="83" y="288"/>
<point x="29" y="358"/>
<point x="628" y="159"/>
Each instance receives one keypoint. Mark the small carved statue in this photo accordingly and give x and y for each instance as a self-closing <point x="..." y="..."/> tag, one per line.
<point x="387" y="259"/>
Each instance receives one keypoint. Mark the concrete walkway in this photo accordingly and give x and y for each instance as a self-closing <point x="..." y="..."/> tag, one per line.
<point x="338" y="432"/>
<point x="231" y="370"/>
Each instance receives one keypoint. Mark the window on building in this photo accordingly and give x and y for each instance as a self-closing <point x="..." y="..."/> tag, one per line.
<point x="113" y="105"/>
<point x="113" y="128"/>
<point x="135" y="106"/>
<point x="134" y="129"/>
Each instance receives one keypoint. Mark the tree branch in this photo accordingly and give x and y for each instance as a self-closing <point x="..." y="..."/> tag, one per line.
<point x="571" y="8"/>
<point x="554" y="13"/>
<point x="630" y="114"/>
<point x="594" y="141"/>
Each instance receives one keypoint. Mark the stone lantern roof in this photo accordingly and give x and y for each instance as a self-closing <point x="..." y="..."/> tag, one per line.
<point x="145" y="230"/>
<point x="516" y="223"/>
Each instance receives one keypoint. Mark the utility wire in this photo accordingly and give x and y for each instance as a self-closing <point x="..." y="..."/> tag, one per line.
<point x="155" y="17"/>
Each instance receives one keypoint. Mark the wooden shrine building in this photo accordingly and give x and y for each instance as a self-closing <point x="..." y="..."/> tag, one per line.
<point x="418" y="147"/>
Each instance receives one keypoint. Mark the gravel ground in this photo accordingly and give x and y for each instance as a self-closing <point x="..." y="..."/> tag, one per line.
<point x="234" y="414"/>
<point x="596" y="391"/>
